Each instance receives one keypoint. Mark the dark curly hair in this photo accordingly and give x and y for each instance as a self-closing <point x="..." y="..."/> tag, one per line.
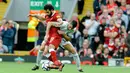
<point x="48" y="7"/>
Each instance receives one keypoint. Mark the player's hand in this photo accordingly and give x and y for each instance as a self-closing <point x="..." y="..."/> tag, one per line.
<point x="29" y="15"/>
<point x="61" y="32"/>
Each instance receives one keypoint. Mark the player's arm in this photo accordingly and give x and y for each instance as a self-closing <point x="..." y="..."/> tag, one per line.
<point x="38" y="16"/>
<point x="56" y="24"/>
<point x="64" y="35"/>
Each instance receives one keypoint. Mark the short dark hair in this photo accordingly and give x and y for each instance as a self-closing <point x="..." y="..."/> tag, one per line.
<point x="48" y="7"/>
<point x="7" y="22"/>
<point x="74" y="24"/>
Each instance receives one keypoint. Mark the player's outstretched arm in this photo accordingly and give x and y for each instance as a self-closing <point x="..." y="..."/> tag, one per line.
<point x="38" y="16"/>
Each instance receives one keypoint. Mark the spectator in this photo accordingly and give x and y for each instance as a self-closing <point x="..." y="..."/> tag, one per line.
<point x="97" y="5"/>
<point x="81" y="26"/>
<point x="5" y="1"/>
<point x="123" y="6"/>
<point x="2" y="23"/>
<point x="3" y="48"/>
<point x="85" y="34"/>
<point x="80" y="6"/>
<point x="103" y="7"/>
<point x="119" y="22"/>
<point x="127" y="41"/>
<point x="105" y="15"/>
<point x="111" y="47"/>
<point x="118" y="2"/>
<point x="128" y="13"/>
<point x="128" y="1"/>
<point x="126" y="52"/>
<point x="91" y="25"/>
<point x="7" y="36"/>
<point x="66" y="53"/>
<point x="84" y="49"/>
<point x="106" y="56"/>
<point x="119" y="54"/>
<point x="123" y="43"/>
<point x="128" y="29"/>
<point x="87" y="16"/>
<point x="117" y="43"/>
<point x="111" y="5"/>
<point x="99" y="57"/>
<point x="101" y="29"/>
<point x="94" y="45"/>
<point x="128" y="10"/>
<point x="90" y="53"/>
<point x="111" y="32"/>
<point x="12" y="26"/>
<point x="89" y="58"/>
<point x="15" y="26"/>
<point x="124" y="18"/>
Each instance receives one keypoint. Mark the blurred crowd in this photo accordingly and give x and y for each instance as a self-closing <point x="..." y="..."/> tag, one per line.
<point x="8" y="31"/>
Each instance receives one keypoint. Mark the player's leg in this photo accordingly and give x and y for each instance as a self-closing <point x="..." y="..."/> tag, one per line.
<point x="68" y="46"/>
<point x="54" y="43"/>
<point x="39" y="56"/>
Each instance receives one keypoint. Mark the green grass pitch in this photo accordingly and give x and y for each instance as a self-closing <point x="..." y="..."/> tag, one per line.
<point x="12" y="67"/>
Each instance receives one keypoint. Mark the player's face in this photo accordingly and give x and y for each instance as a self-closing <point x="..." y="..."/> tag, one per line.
<point x="48" y="12"/>
<point x="70" y="26"/>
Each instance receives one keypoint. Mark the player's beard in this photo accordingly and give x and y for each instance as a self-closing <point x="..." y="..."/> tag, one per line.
<point x="50" y="14"/>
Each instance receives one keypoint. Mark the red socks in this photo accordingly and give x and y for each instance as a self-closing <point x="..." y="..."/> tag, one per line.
<point x="53" y="57"/>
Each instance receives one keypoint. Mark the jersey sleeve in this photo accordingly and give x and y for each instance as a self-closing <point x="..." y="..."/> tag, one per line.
<point x="58" y="17"/>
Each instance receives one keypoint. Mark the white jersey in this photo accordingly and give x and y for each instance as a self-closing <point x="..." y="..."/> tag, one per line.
<point x="64" y="26"/>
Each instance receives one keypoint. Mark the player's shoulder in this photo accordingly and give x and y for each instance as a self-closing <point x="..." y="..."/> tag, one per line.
<point x="56" y="14"/>
<point x="66" y="22"/>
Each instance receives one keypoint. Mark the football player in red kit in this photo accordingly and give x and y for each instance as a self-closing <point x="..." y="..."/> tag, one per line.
<point x="52" y="39"/>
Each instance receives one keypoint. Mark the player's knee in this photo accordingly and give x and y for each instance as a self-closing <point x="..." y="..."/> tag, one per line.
<point x="73" y="51"/>
<point x="42" y="48"/>
<point x="51" y="46"/>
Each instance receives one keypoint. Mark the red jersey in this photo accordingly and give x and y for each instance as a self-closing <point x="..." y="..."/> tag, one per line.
<point x="53" y="30"/>
<point x="54" y="37"/>
<point x="110" y="6"/>
<point x="114" y="29"/>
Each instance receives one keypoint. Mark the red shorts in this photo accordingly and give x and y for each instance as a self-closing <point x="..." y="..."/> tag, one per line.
<point x="54" y="40"/>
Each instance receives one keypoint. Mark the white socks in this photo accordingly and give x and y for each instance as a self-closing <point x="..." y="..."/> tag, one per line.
<point x="39" y="57"/>
<point x="77" y="60"/>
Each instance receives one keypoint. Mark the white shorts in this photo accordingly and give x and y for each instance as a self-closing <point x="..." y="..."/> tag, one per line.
<point x="64" y="42"/>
